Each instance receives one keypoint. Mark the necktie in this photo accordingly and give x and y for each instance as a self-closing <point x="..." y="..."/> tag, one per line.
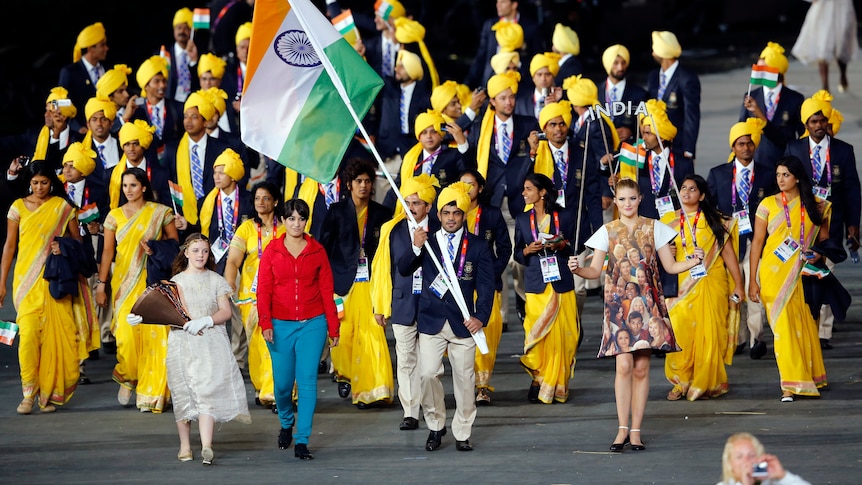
<point x="656" y="174"/>
<point x="538" y="105"/>
<point x="744" y="186"/>
<point x="101" y="149"/>
<point x="817" y="164"/>
<point x="71" y="192"/>
<point x="614" y="99"/>
<point x="662" y="85"/>
<point x="157" y="121"/>
<point x="506" y="145"/>
<point x="451" y="247"/>
<point x="96" y="74"/>
<point x="197" y="173"/>
<point x="228" y="218"/>
<point x="185" y="79"/>
<point x="329" y="194"/>
<point x="387" y="59"/>
<point x="403" y="107"/>
<point x="429" y="164"/>
<point x="562" y="167"/>
<point x="770" y="105"/>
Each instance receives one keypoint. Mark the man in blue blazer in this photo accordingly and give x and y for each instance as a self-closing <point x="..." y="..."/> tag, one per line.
<point x="616" y="87"/>
<point x="679" y="88"/>
<point x="748" y="181"/>
<point x="183" y="77"/>
<point x="403" y="99"/>
<point x="165" y="115"/>
<point x="80" y="77"/>
<point x="442" y="327"/>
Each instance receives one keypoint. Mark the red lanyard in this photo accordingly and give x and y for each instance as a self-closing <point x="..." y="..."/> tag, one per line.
<point x="802" y="219"/>
<point x="478" y="217"/>
<point x="733" y="185"/>
<point x="320" y="187"/>
<point x="222" y="13"/>
<point x="420" y="163"/>
<point x="533" y="223"/>
<point x="260" y="241"/>
<point x="235" y="210"/>
<point x="150" y="112"/>
<point x="693" y="228"/>
<point x="816" y="176"/>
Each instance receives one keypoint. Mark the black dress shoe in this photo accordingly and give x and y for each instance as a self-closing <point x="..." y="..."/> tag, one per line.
<point x="739" y="349"/>
<point x="434" y="439"/>
<point x="363" y="405"/>
<point x="285" y="437"/>
<point x="83" y="380"/>
<point x="463" y="445"/>
<point x="758" y="350"/>
<point x="343" y="389"/>
<point x="533" y="394"/>
<point x="824" y="344"/>
<point x="94" y="354"/>
<point x="301" y="451"/>
<point x="408" y="424"/>
<point x="322" y="367"/>
<point x="109" y="347"/>
<point x="618" y="447"/>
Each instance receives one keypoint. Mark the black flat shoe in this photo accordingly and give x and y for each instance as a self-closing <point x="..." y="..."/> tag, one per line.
<point x="301" y="451"/>
<point x="758" y="350"/>
<point x="533" y="394"/>
<point x="435" y="438"/>
<point x="618" y="447"/>
<point x="408" y="424"/>
<point x="343" y="389"/>
<point x="463" y="445"/>
<point x="638" y="447"/>
<point x="285" y="437"/>
<point x="322" y="367"/>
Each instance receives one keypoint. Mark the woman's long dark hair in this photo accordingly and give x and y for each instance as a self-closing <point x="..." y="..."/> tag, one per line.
<point x="141" y="176"/>
<point x="42" y="168"/>
<point x="181" y="262"/>
<point x="273" y="192"/>
<point x="542" y="182"/>
<point x="797" y="169"/>
<point x="714" y="218"/>
<point x="484" y="196"/>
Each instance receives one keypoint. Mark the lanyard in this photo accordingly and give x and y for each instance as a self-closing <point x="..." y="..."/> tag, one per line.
<point x="222" y="13"/>
<point x="86" y="198"/>
<point x="828" y="167"/>
<point x="693" y="228"/>
<point x="420" y="163"/>
<point x="150" y="112"/>
<point x="533" y="223"/>
<point x="656" y="184"/>
<point x="463" y="257"/>
<point x="364" y="228"/>
<point x="322" y="190"/>
<point x="478" y="217"/>
<point x="239" y="79"/>
<point x="801" y="216"/>
<point x="222" y="229"/>
<point x="511" y="134"/>
<point x="733" y="186"/>
<point x="260" y="241"/>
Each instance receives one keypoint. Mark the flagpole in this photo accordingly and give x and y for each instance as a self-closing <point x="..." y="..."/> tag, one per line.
<point x="581" y="195"/>
<point x="479" y="336"/>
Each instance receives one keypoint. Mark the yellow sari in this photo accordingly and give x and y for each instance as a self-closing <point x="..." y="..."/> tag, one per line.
<point x="484" y="366"/>
<point x="141" y="349"/>
<point x="797" y="344"/>
<point x="703" y="323"/>
<point x="259" y="360"/>
<point x="47" y="334"/>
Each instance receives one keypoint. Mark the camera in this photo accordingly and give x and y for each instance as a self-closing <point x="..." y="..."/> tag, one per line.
<point x="760" y="470"/>
<point x="139" y="101"/>
<point x="61" y="103"/>
<point x="238" y="96"/>
<point x="24" y="160"/>
<point x="542" y="136"/>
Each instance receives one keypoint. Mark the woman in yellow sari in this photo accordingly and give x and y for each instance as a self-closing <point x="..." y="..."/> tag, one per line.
<point x="141" y="349"/>
<point x="246" y="248"/>
<point x="703" y="323"/>
<point x="47" y="342"/>
<point x="786" y="227"/>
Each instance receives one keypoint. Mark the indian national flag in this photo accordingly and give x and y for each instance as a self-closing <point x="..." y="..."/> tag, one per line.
<point x="176" y="193"/>
<point x="764" y="76"/>
<point x="8" y="331"/>
<point x="88" y="213"/>
<point x="201" y="18"/>
<point x="383" y="8"/>
<point x="166" y="55"/>
<point x="631" y="159"/>
<point x="345" y="26"/>
<point x="291" y="110"/>
<point x="811" y="270"/>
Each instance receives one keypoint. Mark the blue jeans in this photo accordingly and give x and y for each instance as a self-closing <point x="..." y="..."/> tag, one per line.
<point x="295" y="349"/>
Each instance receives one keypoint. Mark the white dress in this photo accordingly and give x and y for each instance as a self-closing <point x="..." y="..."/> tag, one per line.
<point x="828" y="33"/>
<point x="203" y="375"/>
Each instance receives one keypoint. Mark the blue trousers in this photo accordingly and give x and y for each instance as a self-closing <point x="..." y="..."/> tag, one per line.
<point x="295" y="349"/>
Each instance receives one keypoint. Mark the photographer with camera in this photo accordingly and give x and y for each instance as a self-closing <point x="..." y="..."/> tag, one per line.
<point x="744" y="462"/>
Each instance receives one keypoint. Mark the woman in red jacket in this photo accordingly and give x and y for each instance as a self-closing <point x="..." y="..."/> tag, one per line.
<point x="295" y="309"/>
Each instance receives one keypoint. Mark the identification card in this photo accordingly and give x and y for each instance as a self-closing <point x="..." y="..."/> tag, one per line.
<point x="438" y="286"/>
<point x="362" y="270"/>
<point x="561" y="198"/>
<point x="550" y="269"/>
<point x="417" y="281"/>
<point x="822" y="193"/>
<point x="664" y="205"/>
<point x="254" y="284"/>
<point x="219" y="248"/>
<point x="697" y="271"/>
<point x="744" y="222"/>
<point x="786" y="250"/>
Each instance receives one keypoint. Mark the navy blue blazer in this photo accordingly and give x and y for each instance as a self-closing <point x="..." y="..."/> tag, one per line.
<point x="159" y="177"/>
<point x="786" y="124"/>
<point x="173" y="77"/>
<point x="633" y="93"/>
<point x="846" y="197"/>
<point x="100" y="175"/>
<point x="404" y="303"/>
<point x="594" y="182"/>
<point x="493" y="229"/>
<point x="532" y="264"/>
<point x="681" y="167"/>
<point x="173" y="129"/>
<point x="478" y="277"/>
<point x="572" y="67"/>
<point x="480" y="70"/>
<point x="447" y="167"/>
<point x="507" y="179"/>
<point x="720" y="181"/>
<point x="75" y="78"/>
<point x="246" y="211"/>
<point x="682" y="97"/>
<point x="214" y="149"/>
<point x="390" y="140"/>
<point x="340" y="237"/>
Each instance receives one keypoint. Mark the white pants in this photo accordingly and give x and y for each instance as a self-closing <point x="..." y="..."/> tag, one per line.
<point x="752" y="318"/>
<point x="406" y="368"/>
<point x="827" y="319"/>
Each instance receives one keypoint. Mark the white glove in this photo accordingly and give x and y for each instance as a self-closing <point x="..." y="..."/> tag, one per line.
<point x="134" y="319"/>
<point x="197" y="325"/>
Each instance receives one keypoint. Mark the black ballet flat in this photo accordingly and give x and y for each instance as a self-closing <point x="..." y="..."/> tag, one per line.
<point x="638" y="447"/>
<point x="301" y="451"/>
<point x="285" y="437"/>
<point x="618" y="447"/>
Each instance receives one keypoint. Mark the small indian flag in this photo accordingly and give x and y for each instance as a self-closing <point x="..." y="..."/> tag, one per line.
<point x="88" y="213"/>
<point x="383" y="9"/>
<point x="764" y="76"/>
<point x="201" y="18"/>
<point x="811" y="270"/>
<point x="8" y="331"/>
<point x="176" y="193"/>
<point x="630" y="155"/>
<point x="166" y="55"/>
<point x="345" y="25"/>
<point x="339" y="306"/>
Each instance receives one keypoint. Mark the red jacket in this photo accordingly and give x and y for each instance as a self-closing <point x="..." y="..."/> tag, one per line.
<point x="291" y="288"/>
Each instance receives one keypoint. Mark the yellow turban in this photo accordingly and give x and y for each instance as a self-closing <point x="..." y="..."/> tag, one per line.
<point x="426" y="119"/>
<point x="94" y="105"/>
<point x="835" y="120"/>
<point x="184" y="15"/>
<point x="412" y="64"/>
<point x="465" y="95"/>
<point x="112" y="80"/>
<point x="408" y="31"/>
<point x="751" y="126"/>
<point x="232" y="164"/>
<point x="565" y="40"/>
<point x="773" y="56"/>
<point x="581" y="91"/>
<point x="821" y="101"/>
<point x="212" y="63"/>
<point x="218" y="98"/>
<point x="458" y="192"/>
<point x="202" y="103"/>
<point x="82" y="158"/>
<point x="665" y="45"/>
<point x="59" y="93"/>
<point x="423" y="185"/>
<point x="90" y="36"/>
<point x="138" y="130"/>
<point x="552" y="110"/>
<point x="389" y="9"/>
<point x="510" y="36"/>
<point x="442" y="95"/>
<point x="663" y="128"/>
<point x="501" y="60"/>
<point x="610" y="55"/>
<point x="152" y="66"/>
<point x="243" y="32"/>
<point x="501" y="82"/>
<point x="551" y="60"/>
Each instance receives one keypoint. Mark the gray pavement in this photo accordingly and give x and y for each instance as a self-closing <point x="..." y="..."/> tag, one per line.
<point x="94" y="440"/>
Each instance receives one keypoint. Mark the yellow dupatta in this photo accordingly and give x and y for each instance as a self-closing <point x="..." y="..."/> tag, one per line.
<point x="206" y="215"/>
<point x="308" y="192"/>
<point x="408" y="163"/>
<point x="42" y="143"/>
<point x="116" y="184"/>
<point x="483" y="148"/>
<point x="184" y="177"/>
<point x="381" y="269"/>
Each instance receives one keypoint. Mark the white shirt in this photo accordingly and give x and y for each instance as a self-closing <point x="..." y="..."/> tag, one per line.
<point x="609" y="86"/>
<point x="216" y="133"/>
<point x="564" y="58"/>
<point x="234" y="201"/>
<point x="392" y="47"/>
<point x="564" y="148"/>
<point x="242" y="67"/>
<point x="580" y="121"/>
<point x="509" y="124"/>
<point x="63" y="139"/>
<point x="202" y="148"/>
<point x="161" y="106"/>
<point x="90" y="68"/>
<point x="739" y="168"/>
<point x="443" y="241"/>
<point x="407" y="94"/>
<point x="669" y="73"/>
<point x="142" y="165"/>
<point x="824" y="147"/>
<point x="79" y="192"/>
<point x="181" y="94"/>
<point x="470" y="113"/>
<point x="111" y="152"/>
<point x="776" y="90"/>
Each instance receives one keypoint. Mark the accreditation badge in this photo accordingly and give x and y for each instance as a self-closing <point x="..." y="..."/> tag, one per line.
<point x="362" y="270"/>
<point x="786" y="250"/>
<point x="744" y="222"/>
<point x="438" y="286"/>
<point x="664" y="205"/>
<point x="550" y="269"/>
